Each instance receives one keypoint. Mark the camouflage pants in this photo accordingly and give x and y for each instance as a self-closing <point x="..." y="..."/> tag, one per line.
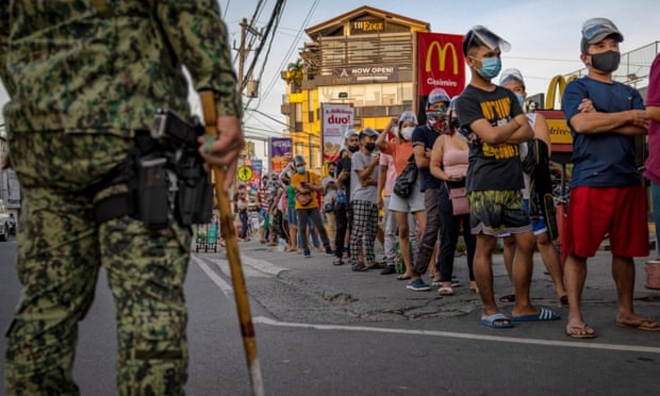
<point x="61" y="249"/>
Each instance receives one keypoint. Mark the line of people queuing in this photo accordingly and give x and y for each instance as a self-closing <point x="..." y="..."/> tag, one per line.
<point x="477" y="167"/>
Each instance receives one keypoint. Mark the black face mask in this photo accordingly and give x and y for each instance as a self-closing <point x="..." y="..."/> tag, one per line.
<point x="353" y="149"/>
<point x="606" y="62"/>
<point x="370" y="146"/>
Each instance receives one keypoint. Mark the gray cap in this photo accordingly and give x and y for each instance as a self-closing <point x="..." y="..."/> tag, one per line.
<point x="595" y="30"/>
<point x="350" y="132"/>
<point x="368" y="132"/>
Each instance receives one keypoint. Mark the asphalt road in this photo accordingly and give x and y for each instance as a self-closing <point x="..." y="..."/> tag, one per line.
<point x="314" y="342"/>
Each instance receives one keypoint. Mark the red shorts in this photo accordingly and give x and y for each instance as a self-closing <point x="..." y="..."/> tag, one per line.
<point x="595" y="211"/>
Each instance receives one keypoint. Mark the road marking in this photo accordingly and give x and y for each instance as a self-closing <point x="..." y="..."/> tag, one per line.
<point x="224" y="286"/>
<point x="251" y="267"/>
<point x="464" y="336"/>
<point x="227" y="290"/>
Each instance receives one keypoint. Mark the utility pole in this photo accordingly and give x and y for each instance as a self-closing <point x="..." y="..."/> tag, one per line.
<point x="242" y="53"/>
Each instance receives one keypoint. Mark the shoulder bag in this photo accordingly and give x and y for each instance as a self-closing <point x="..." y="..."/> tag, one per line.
<point x="405" y="182"/>
<point x="304" y="198"/>
<point x="459" y="201"/>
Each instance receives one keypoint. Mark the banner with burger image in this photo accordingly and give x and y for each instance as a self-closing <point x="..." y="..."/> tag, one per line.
<point x="281" y="153"/>
<point x="336" y="120"/>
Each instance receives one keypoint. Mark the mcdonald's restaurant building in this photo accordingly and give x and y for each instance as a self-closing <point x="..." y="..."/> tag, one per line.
<point x="363" y="57"/>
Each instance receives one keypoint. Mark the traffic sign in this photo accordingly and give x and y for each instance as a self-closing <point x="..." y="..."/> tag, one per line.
<point x="244" y="173"/>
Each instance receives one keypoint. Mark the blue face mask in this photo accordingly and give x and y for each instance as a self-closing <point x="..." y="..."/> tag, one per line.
<point x="490" y="67"/>
<point x="521" y="99"/>
<point x="300" y="169"/>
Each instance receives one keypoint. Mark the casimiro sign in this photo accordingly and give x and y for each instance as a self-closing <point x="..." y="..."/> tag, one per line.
<point x="440" y="63"/>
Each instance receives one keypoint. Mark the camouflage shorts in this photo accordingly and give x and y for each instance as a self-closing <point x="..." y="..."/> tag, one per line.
<point x="498" y="213"/>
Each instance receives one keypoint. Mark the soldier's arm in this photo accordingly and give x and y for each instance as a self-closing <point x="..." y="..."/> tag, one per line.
<point x="4" y="47"/>
<point x="199" y="38"/>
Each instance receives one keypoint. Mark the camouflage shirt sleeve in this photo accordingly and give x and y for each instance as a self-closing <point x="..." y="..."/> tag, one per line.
<point x="199" y="39"/>
<point x="4" y="42"/>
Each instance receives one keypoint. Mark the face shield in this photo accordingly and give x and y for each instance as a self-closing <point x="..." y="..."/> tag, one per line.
<point x="485" y="38"/>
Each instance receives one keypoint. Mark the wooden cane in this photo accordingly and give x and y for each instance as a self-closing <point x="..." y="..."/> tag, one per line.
<point x="233" y="256"/>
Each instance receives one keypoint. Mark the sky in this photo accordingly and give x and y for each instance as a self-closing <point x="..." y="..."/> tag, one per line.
<point x="544" y="37"/>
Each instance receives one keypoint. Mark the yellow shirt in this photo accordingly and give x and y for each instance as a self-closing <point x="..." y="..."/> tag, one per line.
<point x="311" y="178"/>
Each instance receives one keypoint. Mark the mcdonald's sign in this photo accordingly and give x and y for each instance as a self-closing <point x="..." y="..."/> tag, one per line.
<point x="560" y="132"/>
<point x="442" y="56"/>
<point x="440" y="63"/>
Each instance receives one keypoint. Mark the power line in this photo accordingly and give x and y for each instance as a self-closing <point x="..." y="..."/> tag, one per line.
<point x="543" y="59"/>
<point x="291" y="48"/>
<point x="270" y="44"/>
<point x="226" y="7"/>
<point x="270" y="117"/>
<point x="273" y="18"/>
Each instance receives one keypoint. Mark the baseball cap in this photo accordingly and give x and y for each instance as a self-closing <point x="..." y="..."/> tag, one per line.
<point x="368" y="132"/>
<point x="595" y="30"/>
<point x="511" y="74"/>
<point x="350" y="132"/>
<point x="484" y="37"/>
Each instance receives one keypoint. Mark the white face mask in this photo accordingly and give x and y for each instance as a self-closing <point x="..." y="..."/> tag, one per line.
<point x="406" y="132"/>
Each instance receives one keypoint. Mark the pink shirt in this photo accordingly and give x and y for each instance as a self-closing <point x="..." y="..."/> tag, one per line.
<point x="653" y="99"/>
<point x="388" y="160"/>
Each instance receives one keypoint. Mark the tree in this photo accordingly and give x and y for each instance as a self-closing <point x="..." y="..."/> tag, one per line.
<point x="295" y="72"/>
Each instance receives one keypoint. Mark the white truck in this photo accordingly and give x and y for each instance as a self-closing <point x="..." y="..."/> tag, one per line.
<point x="4" y="222"/>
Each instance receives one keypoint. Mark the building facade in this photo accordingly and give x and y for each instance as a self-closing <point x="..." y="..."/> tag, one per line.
<point x="364" y="57"/>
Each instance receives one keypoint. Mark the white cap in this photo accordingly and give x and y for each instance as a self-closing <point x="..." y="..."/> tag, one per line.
<point x="326" y="181"/>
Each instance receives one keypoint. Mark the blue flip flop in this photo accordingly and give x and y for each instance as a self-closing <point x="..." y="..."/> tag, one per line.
<point x="542" y="316"/>
<point x="491" y="320"/>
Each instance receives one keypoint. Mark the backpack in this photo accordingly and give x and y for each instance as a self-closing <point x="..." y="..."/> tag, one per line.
<point x="541" y="198"/>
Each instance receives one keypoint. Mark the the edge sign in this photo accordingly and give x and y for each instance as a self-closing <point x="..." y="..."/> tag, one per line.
<point x="440" y="63"/>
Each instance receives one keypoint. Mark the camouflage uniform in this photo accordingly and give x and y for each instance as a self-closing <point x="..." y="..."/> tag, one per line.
<point x="83" y="76"/>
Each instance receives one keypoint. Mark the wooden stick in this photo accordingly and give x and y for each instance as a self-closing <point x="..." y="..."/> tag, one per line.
<point x="233" y="256"/>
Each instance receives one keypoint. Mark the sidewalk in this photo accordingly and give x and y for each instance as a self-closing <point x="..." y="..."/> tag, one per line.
<point x="372" y="296"/>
